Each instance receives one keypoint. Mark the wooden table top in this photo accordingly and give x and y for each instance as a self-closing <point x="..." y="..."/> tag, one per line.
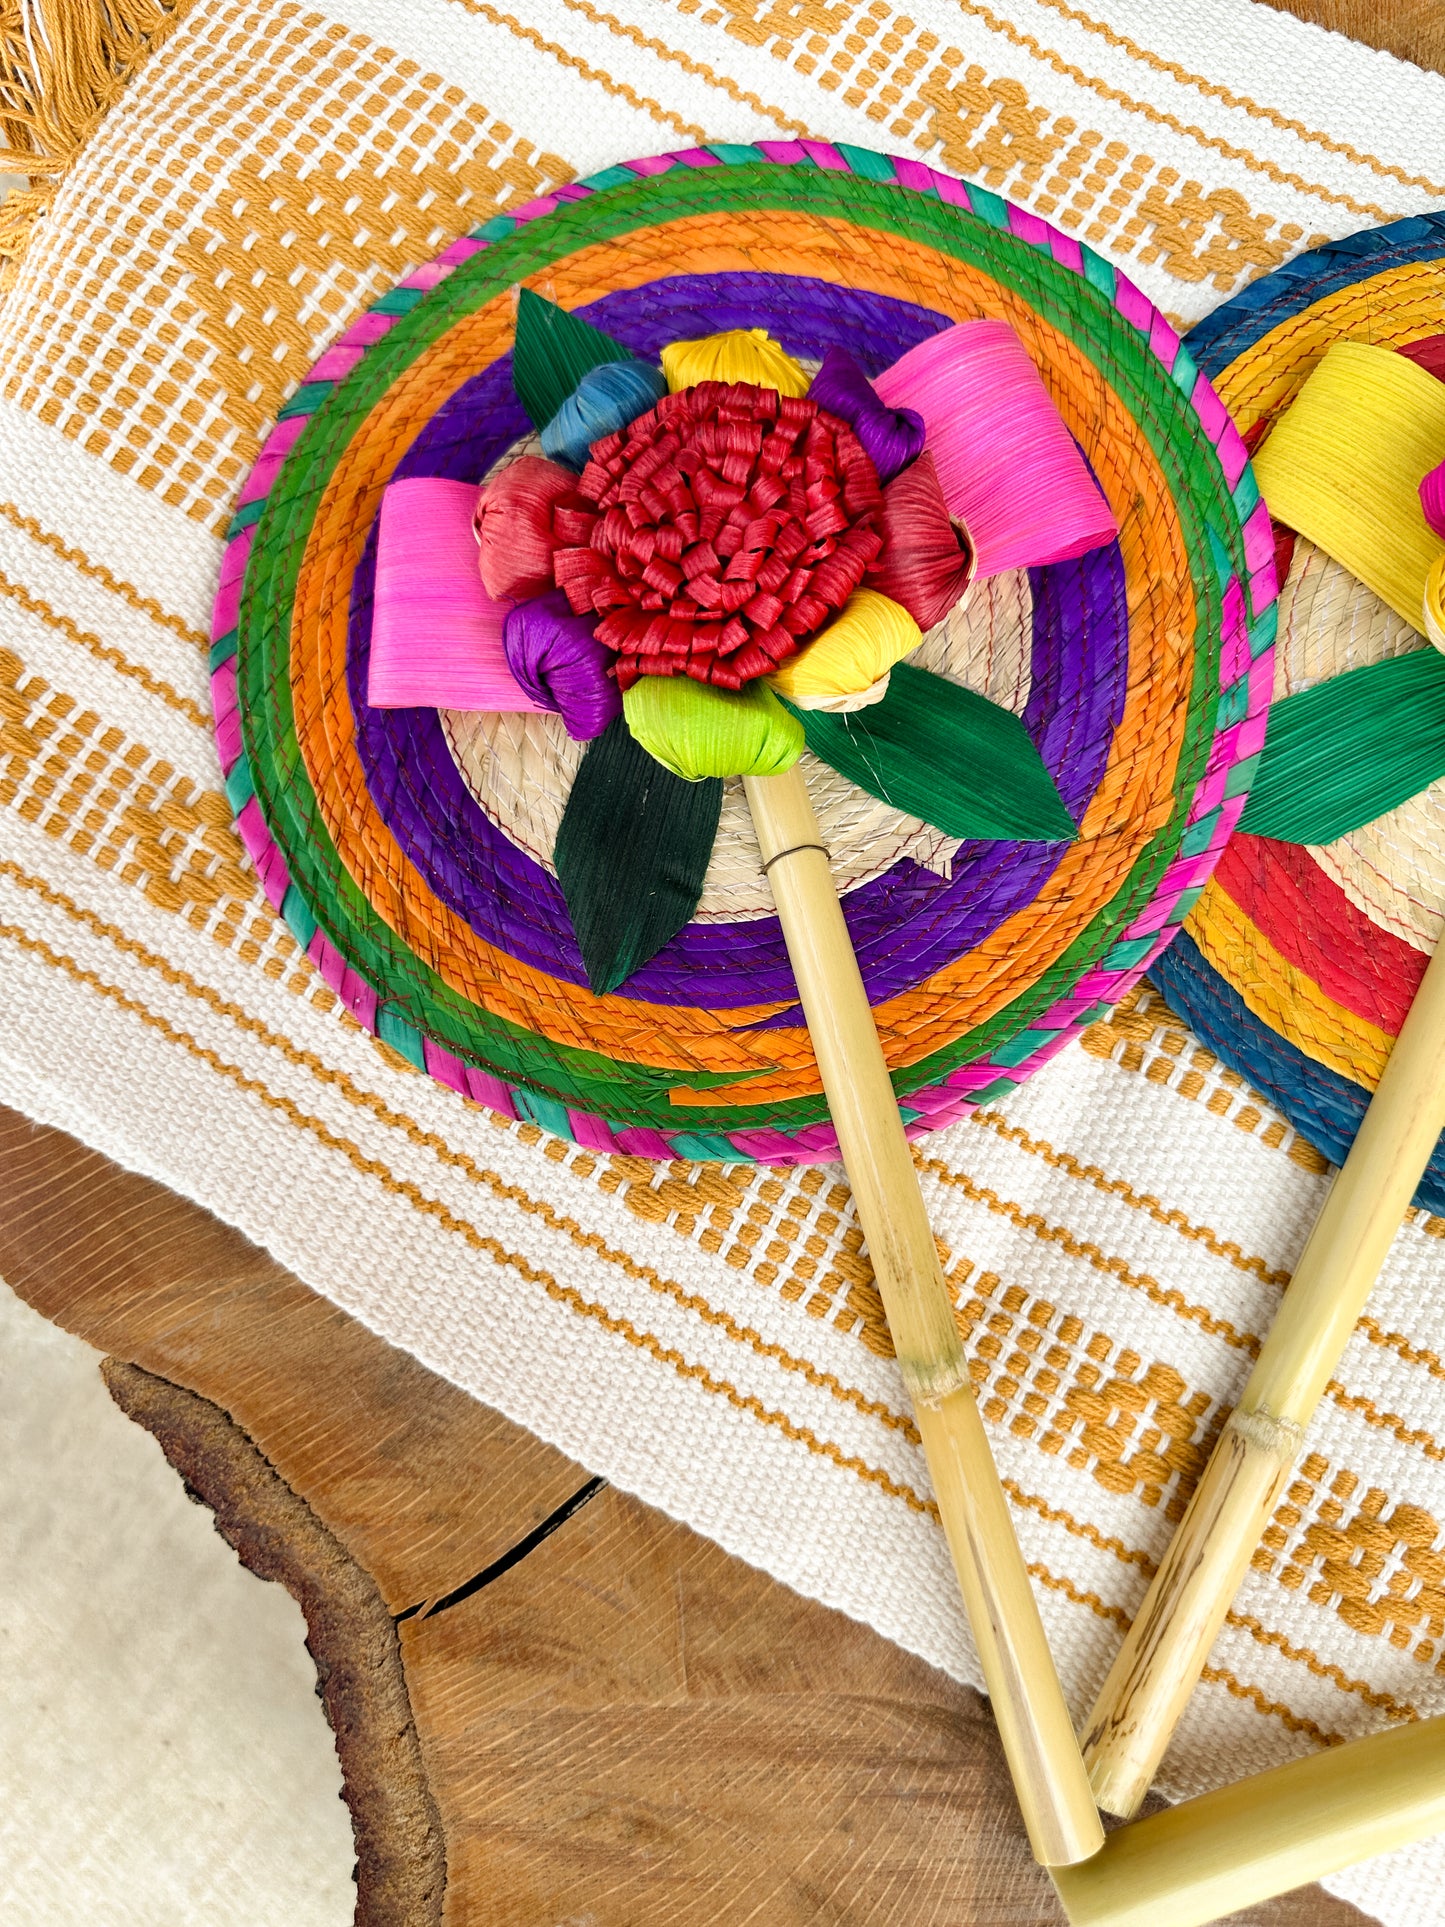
<point x="552" y="1704"/>
<point x="603" y="1719"/>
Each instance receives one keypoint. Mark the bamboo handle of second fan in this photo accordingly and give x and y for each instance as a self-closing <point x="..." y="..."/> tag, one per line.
<point x="1033" y="1721"/>
<point x="1166" y="1647"/>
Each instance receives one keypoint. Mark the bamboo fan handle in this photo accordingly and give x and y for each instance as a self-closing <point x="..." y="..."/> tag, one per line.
<point x="1033" y="1721"/>
<point x="1245" y="1843"/>
<point x="1165" y="1649"/>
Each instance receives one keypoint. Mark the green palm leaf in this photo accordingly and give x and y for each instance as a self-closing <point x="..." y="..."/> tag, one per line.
<point x="946" y="755"/>
<point x="632" y="851"/>
<point x="1348" y="750"/>
<point x="552" y="352"/>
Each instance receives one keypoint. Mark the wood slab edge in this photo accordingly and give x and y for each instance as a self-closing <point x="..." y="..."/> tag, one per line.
<point x="400" y="1847"/>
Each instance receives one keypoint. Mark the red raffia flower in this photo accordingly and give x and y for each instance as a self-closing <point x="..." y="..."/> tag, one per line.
<point x="720" y="530"/>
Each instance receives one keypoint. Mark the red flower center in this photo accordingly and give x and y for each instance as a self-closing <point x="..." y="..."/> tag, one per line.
<point x="717" y="532"/>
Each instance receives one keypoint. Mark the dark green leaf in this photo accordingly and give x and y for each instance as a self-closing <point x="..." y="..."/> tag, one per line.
<point x="947" y="756"/>
<point x="632" y="851"/>
<point x="553" y="351"/>
<point x="1348" y="750"/>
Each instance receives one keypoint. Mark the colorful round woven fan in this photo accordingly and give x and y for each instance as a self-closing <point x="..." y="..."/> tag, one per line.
<point x="411" y="849"/>
<point x="1299" y="962"/>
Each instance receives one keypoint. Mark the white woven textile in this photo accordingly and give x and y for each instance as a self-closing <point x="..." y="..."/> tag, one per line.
<point x="707" y="1338"/>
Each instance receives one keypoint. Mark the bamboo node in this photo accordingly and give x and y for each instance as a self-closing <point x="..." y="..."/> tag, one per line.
<point x="931" y="1381"/>
<point x="1261" y="1431"/>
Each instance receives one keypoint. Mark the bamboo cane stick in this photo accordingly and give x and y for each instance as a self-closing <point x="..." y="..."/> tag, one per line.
<point x="1166" y="1647"/>
<point x="1033" y="1721"/>
<point x="1297" y="1823"/>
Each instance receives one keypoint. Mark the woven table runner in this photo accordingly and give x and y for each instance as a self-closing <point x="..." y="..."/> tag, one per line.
<point x="705" y="1335"/>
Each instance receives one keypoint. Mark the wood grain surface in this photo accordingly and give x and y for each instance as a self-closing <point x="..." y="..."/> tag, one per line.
<point x="1409" y="29"/>
<point x="624" y="1727"/>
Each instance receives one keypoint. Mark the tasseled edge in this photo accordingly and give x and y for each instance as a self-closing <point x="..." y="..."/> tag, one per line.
<point x="56" y="85"/>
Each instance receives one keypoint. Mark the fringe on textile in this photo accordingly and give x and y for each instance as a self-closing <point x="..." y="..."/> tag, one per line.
<point x="63" y="65"/>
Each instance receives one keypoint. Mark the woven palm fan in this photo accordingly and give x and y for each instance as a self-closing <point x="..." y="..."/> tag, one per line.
<point x="566" y="913"/>
<point x="1312" y="962"/>
<point x="1301" y="959"/>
